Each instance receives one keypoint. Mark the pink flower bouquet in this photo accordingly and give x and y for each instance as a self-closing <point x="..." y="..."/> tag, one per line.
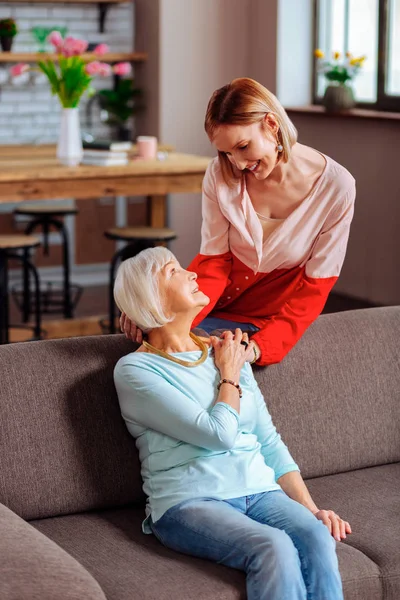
<point x="70" y="76"/>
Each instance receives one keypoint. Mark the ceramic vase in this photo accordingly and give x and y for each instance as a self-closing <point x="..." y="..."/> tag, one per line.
<point x="338" y="98"/>
<point x="69" y="147"/>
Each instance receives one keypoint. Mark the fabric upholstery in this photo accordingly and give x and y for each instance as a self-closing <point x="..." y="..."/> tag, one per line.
<point x="370" y="500"/>
<point x="64" y="446"/>
<point x="112" y="547"/>
<point x="336" y="397"/>
<point x="32" y="567"/>
<point x="64" y="449"/>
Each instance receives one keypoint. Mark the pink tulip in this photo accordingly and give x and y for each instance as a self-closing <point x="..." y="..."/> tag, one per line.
<point x="56" y="40"/>
<point x="73" y="46"/>
<point x="19" y="69"/>
<point x="105" y="69"/>
<point x="93" y="68"/>
<point x="123" y="68"/>
<point x="101" y="49"/>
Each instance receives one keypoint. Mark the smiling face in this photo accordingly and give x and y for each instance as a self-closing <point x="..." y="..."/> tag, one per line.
<point x="250" y="148"/>
<point x="180" y="291"/>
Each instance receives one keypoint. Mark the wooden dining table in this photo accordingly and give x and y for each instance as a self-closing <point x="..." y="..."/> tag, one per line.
<point x="32" y="172"/>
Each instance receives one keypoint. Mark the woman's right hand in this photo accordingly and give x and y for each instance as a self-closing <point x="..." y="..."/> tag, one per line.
<point x="131" y="331"/>
<point x="230" y="355"/>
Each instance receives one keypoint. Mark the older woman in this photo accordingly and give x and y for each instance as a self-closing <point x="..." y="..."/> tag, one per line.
<point x="221" y="484"/>
<point x="276" y="220"/>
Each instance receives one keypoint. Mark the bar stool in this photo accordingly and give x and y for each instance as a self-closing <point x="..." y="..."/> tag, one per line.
<point x="138" y="239"/>
<point x="9" y="245"/>
<point x="44" y="217"/>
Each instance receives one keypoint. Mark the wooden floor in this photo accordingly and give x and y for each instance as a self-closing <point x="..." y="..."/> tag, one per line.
<point x="93" y="306"/>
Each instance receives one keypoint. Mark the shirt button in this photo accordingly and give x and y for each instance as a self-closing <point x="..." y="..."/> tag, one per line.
<point x="237" y="289"/>
<point x="228" y="297"/>
<point x="246" y="277"/>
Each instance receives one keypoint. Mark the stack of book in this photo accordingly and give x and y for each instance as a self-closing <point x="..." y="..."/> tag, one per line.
<point x="105" y="153"/>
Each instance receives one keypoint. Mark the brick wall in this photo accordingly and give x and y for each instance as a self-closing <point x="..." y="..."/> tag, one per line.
<point x="28" y="112"/>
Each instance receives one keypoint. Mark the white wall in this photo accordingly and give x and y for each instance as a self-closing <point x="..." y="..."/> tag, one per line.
<point x="203" y="45"/>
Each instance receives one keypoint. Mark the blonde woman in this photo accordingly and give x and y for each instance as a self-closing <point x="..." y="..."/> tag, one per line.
<point x="276" y="220"/>
<point x="220" y="482"/>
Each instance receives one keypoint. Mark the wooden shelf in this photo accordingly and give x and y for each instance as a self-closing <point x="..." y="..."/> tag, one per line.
<point x="29" y="57"/>
<point x="103" y="6"/>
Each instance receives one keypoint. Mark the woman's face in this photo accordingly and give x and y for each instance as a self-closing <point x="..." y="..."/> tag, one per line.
<point x="179" y="290"/>
<point x="250" y="148"/>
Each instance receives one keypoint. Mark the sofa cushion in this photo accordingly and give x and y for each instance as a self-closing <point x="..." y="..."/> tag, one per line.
<point x="111" y="545"/>
<point x="336" y="397"/>
<point x="370" y="500"/>
<point x="33" y="567"/>
<point x="64" y="446"/>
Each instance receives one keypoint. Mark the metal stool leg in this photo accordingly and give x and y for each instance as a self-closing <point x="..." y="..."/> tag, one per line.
<point x="4" y="324"/>
<point x="59" y="225"/>
<point x="45" y="223"/>
<point x="38" y="313"/>
<point x="68" y="312"/>
<point x="29" y="266"/>
<point x="26" y="306"/>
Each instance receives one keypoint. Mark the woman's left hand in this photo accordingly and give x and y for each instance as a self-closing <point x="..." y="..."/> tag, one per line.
<point x="337" y="527"/>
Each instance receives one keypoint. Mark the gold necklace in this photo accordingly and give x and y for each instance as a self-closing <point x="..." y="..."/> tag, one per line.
<point x="184" y="363"/>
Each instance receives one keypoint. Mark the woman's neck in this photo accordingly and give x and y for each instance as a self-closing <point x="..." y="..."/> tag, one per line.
<point x="173" y="337"/>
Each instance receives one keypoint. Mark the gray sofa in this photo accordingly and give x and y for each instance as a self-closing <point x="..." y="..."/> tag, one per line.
<point x="70" y="488"/>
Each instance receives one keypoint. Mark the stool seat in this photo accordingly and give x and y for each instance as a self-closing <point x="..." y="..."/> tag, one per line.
<point x="15" y="241"/>
<point x="140" y="233"/>
<point x="40" y="210"/>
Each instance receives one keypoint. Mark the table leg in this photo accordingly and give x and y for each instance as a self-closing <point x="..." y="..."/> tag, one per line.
<point x="157" y="216"/>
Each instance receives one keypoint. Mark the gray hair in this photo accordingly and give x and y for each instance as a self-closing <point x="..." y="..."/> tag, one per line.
<point x="136" y="289"/>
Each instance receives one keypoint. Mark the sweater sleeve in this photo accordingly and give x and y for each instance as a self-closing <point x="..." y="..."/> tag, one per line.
<point x="214" y="262"/>
<point x="273" y="449"/>
<point x="320" y="273"/>
<point x="148" y="399"/>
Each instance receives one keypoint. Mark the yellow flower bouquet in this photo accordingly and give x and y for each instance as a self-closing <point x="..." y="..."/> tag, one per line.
<point x="339" y="72"/>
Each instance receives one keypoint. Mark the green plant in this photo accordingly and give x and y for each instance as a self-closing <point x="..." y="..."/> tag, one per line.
<point x="122" y="102"/>
<point x="40" y="34"/>
<point x="8" y="28"/>
<point x="340" y="73"/>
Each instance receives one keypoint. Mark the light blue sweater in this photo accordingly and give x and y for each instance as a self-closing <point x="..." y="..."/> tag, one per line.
<point x="190" y="447"/>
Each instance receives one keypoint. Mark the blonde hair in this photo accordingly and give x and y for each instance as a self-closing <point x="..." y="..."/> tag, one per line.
<point x="136" y="289"/>
<point x="244" y="101"/>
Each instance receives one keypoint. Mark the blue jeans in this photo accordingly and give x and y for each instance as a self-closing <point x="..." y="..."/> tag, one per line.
<point x="210" y="324"/>
<point x="286" y="553"/>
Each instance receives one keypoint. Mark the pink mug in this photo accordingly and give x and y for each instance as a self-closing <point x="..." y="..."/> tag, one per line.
<point x="146" y="146"/>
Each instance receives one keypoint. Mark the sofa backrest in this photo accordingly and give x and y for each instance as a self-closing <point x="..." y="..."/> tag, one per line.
<point x="64" y="446"/>
<point x="336" y="397"/>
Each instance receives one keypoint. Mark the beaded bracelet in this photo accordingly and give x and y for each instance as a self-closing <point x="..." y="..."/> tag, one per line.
<point x="237" y="386"/>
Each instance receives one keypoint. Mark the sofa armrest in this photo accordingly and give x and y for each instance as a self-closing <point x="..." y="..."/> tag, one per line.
<point x="34" y="567"/>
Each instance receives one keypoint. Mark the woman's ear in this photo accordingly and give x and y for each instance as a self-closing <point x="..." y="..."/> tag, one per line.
<point x="270" y="123"/>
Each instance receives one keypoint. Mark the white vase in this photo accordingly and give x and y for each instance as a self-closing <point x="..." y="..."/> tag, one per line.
<point x="69" y="147"/>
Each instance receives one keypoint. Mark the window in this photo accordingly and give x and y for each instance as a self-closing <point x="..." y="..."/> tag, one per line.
<point x="362" y="27"/>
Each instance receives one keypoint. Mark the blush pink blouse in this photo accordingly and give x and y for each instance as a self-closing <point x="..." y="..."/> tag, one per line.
<point x="279" y="284"/>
